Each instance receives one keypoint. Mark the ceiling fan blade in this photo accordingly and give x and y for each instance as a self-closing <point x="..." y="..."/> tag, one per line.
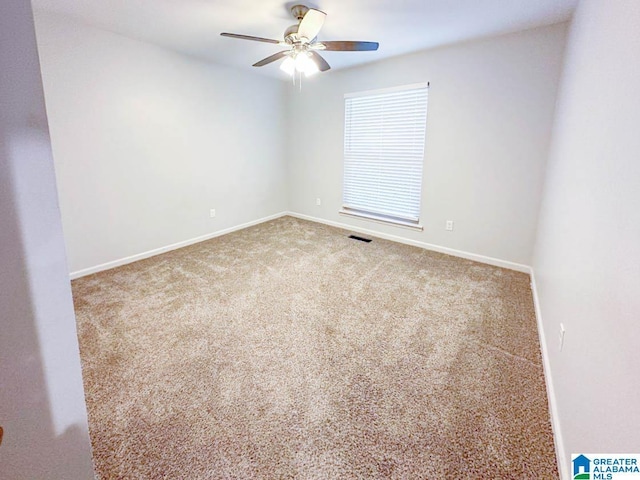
<point x="322" y="64"/>
<point x="345" y="46"/>
<point x="311" y="24"/>
<point x="271" y="58"/>
<point x="249" y="37"/>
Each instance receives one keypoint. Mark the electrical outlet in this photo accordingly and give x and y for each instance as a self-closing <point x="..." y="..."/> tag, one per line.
<point x="212" y="213"/>
<point x="561" y="336"/>
<point x="318" y="202"/>
<point x="449" y="225"/>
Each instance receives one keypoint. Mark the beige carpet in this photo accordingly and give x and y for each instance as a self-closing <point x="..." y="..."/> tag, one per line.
<point x="288" y="350"/>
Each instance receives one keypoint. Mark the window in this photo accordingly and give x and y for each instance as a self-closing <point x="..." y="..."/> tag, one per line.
<point x="384" y="138"/>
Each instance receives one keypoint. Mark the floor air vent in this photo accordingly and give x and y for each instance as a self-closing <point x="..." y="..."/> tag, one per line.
<point x="362" y="239"/>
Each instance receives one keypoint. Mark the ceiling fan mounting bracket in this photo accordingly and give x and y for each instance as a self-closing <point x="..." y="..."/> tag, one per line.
<point x="299" y="11"/>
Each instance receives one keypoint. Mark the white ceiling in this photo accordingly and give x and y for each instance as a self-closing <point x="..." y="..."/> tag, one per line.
<point x="401" y="26"/>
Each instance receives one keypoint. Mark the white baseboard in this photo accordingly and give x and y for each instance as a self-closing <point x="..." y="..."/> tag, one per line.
<point x="553" y="408"/>
<point x="428" y="246"/>
<point x="168" y="248"/>
<point x="561" y="455"/>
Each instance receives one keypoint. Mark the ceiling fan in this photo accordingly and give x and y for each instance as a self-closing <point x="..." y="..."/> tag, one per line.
<point x="301" y="39"/>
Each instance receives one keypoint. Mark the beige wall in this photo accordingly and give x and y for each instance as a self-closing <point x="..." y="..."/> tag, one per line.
<point x="42" y="408"/>
<point x="491" y="105"/>
<point x="587" y="258"/>
<point x="147" y="141"/>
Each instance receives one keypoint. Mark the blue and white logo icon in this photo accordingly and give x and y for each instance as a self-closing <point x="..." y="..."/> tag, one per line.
<point x="581" y="468"/>
<point x="606" y="466"/>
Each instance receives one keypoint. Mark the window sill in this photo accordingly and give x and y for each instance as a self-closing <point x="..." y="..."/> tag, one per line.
<point x="385" y="221"/>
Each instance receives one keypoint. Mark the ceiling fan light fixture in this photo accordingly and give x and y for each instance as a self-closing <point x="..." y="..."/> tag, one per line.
<point x="288" y="66"/>
<point x="312" y="70"/>
<point x="305" y="65"/>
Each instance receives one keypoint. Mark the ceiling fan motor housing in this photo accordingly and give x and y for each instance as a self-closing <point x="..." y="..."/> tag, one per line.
<point x="291" y="34"/>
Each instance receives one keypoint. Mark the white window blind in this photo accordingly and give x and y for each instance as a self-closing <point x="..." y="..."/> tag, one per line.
<point x="384" y="140"/>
